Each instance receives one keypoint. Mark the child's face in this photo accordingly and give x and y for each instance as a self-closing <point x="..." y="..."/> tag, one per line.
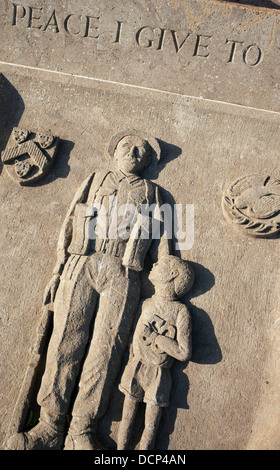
<point x="161" y="271"/>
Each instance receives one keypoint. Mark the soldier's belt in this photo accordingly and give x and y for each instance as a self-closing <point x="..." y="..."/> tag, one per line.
<point x="111" y="247"/>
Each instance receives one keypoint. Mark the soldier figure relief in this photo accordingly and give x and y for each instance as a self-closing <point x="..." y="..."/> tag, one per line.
<point x="94" y="295"/>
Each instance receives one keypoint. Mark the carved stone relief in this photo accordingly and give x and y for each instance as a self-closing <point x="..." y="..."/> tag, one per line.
<point x="29" y="156"/>
<point x="252" y="205"/>
<point x="94" y="297"/>
<point x="162" y="334"/>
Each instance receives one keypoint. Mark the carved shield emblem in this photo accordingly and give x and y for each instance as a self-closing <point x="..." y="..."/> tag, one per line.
<point x="29" y="155"/>
<point x="252" y="205"/>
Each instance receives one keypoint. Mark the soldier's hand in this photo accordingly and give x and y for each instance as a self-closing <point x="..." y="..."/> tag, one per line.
<point x="51" y="289"/>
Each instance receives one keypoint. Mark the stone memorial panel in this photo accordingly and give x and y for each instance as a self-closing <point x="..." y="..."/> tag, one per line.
<point x="171" y="105"/>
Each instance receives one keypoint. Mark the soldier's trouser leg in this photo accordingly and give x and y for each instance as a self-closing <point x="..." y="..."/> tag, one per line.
<point x="116" y="312"/>
<point x="73" y="314"/>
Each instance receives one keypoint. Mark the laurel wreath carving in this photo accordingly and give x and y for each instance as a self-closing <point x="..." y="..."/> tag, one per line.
<point x="263" y="226"/>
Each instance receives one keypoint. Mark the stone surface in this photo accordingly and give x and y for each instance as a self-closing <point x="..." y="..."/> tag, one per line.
<point x="217" y="119"/>
<point x="179" y="38"/>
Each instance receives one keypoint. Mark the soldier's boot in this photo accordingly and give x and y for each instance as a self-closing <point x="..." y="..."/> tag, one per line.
<point x="48" y="434"/>
<point x="82" y="436"/>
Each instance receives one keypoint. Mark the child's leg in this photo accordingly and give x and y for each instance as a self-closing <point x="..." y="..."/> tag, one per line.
<point x="128" y="415"/>
<point x="152" y="420"/>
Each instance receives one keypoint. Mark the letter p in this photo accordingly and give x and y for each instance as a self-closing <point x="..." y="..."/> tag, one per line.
<point x="18" y="13"/>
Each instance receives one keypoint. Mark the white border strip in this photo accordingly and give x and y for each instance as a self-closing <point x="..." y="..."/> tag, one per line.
<point x="139" y="87"/>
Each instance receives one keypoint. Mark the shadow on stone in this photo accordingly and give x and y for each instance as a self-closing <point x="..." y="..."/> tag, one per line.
<point x="255" y="3"/>
<point x="168" y="153"/>
<point x="11" y="110"/>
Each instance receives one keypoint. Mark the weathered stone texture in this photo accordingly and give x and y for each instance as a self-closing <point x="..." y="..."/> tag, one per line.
<point x="202" y="77"/>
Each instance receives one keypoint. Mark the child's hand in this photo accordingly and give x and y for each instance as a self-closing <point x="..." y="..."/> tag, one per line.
<point x="150" y="332"/>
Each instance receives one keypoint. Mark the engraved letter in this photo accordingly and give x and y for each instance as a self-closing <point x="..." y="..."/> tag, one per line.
<point x="118" y="35"/>
<point x="147" y="42"/>
<point x="67" y="28"/>
<point x="33" y="17"/>
<point x="199" y="45"/>
<point x="90" y="27"/>
<point x="161" y="39"/>
<point x="52" y="23"/>
<point x="19" y="12"/>
<point x="256" y="54"/>
<point x="233" y="47"/>
<point x="177" y="45"/>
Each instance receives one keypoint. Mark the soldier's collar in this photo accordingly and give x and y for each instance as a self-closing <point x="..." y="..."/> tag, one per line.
<point x="130" y="178"/>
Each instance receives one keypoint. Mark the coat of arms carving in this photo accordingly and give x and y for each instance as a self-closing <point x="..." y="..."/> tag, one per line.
<point x="29" y="155"/>
<point x="252" y="205"/>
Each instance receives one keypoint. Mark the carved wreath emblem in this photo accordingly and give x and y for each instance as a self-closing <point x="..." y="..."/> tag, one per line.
<point x="252" y="205"/>
<point x="29" y="155"/>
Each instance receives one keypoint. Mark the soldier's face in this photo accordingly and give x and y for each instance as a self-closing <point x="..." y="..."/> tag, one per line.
<point x="132" y="154"/>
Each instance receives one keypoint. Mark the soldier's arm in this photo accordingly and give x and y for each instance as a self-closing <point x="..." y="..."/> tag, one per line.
<point x="181" y="347"/>
<point x="64" y="241"/>
<point x="65" y="235"/>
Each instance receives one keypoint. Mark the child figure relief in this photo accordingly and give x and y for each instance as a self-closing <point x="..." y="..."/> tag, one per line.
<point x="162" y="334"/>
